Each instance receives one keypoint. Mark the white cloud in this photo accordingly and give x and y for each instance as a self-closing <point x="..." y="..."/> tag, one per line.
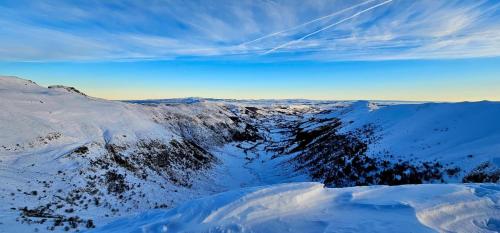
<point x="111" y="30"/>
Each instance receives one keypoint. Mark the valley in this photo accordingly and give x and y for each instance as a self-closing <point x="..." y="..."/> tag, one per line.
<point x="70" y="162"/>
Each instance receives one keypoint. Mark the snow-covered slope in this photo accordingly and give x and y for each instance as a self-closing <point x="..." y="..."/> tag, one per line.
<point x="69" y="161"/>
<point x="34" y="113"/>
<point x="461" y="133"/>
<point x="309" y="207"/>
<point x="363" y="142"/>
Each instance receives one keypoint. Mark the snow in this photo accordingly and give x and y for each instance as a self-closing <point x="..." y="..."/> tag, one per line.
<point x="242" y="168"/>
<point x="35" y="111"/>
<point x="40" y="128"/>
<point x="464" y="134"/>
<point x="309" y="207"/>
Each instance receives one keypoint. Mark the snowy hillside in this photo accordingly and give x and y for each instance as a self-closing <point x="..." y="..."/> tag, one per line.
<point x="71" y="162"/>
<point x="461" y="133"/>
<point x="309" y="207"/>
<point x="419" y="142"/>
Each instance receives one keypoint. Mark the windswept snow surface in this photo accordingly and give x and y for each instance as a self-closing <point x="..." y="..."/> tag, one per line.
<point x="309" y="207"/>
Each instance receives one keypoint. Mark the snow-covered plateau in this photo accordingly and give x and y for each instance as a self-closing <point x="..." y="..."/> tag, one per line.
<point x="70" y="162"/>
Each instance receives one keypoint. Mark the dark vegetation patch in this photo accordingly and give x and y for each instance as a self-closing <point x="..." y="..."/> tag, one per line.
<point x="81" y="150"/>
<point x="453" y="171"/>
<point x="251" y="133"/>
<point x="41" y="140"/>
<point x="116" y="182"/>
<point x="484" y="173"/>
<point x="304" y="138"/>
<point x="175" y="161"/>
<point x="243" y="129"/>
<point x="119" y="158"/>
<point x="69" y="89"/>
<point x="252" y="110"/>
<point x="235" y="119"/>
<point x="340" y="160"/>
<point x="43" y="214"/>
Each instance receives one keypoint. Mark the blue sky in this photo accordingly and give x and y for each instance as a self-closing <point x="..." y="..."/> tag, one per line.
<point x="318" y="49"/>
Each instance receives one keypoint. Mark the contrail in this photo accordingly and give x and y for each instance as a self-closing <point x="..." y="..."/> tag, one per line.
<point x="307" y="23"/>
<point x="327" y="27"/>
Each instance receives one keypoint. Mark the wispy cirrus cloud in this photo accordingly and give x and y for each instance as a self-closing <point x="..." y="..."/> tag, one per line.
<point x="266" y="30"/>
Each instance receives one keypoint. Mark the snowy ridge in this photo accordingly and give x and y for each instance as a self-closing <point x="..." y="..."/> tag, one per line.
<point x="308" y="207"/>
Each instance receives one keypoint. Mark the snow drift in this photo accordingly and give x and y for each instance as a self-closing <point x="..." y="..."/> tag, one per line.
<point x="309" y="207"/>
